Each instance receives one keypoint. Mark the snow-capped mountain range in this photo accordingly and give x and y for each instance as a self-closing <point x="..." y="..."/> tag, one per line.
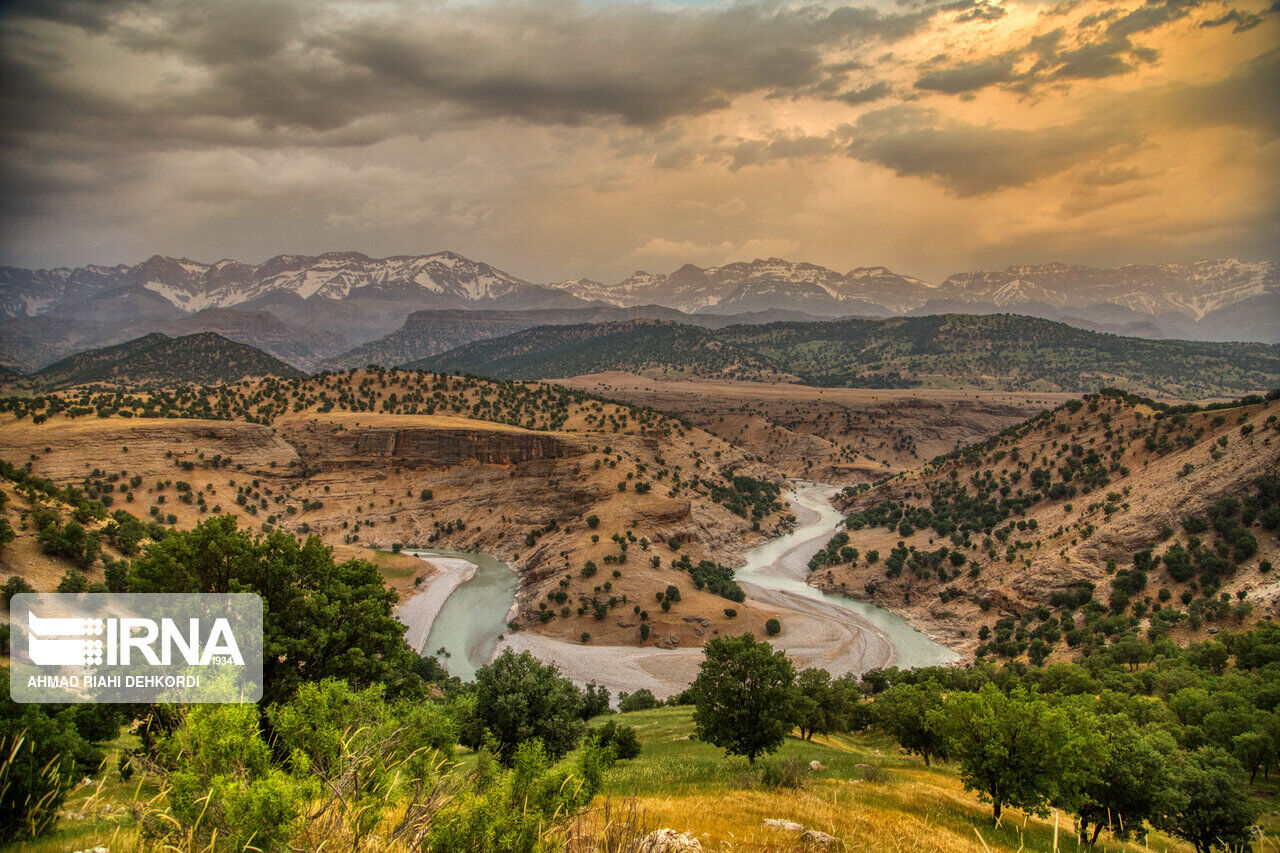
<point x="188" y="286"/>
<point x="1193" y="290"/>
<point x="335" y="302"/>
<point x="762" y="284"/>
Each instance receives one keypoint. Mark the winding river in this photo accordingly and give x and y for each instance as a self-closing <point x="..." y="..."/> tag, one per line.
<point x="837" y="633"/>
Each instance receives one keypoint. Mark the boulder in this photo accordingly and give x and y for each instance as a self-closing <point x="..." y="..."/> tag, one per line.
<point x="669" y="841"/>
<point x="813" y="836"/>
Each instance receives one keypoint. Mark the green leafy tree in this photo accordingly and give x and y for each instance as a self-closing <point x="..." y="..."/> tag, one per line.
<point x="73" y="581"/>
<point x="13" y="586"/>
<point x="595" y="701"/>
<point x="620" y="739"/>
<point x="6" y="532"/>
<point x="321" y="619"/>
<point x="1015" y="749"/>
<point x="1211" y="811"/>
<point x="40" y="757"/>
<point x="743" y="695"/>
<point x="818" y="706"/>
<point x="519" y="698"/>
<point x="905" y="713"/>
<point x="641" y="700"/>
<point x="1259" y="747"/>
<point x="1131" y="785"/>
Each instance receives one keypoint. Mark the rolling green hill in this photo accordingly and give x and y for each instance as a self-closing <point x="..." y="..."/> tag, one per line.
<point x="202" y="359"/>
<point x="1002" y="351"/>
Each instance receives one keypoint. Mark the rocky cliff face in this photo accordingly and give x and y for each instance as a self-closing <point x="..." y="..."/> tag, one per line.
<point x="326" y="447"/>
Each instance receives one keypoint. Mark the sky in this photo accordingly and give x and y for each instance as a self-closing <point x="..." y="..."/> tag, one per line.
<point x="562" y="139"/>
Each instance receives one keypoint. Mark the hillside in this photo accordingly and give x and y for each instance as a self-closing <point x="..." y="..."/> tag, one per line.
<point x="578" y="495"/>
<point x="428" y="333"/>
<point x="1097" y="517"/>
<point x="635" y="346"/>
<point x="204" y="358"/>
<point x="1004" y="352"/>
<point x="32" y="343"/>
<point x="842" y="436"/>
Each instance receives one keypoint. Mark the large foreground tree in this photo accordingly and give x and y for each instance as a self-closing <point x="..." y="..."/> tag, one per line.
<point x="321" y="619"/>
<point x="743" y="696"/>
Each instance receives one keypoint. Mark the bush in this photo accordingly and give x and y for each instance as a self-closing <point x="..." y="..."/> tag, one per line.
<point x="523" y="811"/>
<point x="519" y="699"/>
<point x="40" y="757"/>
<point x="773" y="627"/>
<point x="790" y="773"/>
<point x="642" y="700"/>
<point x="620" y="739"/>
<point x="222" y="781"/>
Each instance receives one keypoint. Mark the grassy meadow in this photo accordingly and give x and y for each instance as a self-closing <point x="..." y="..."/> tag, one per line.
<point x="866" y="793"/>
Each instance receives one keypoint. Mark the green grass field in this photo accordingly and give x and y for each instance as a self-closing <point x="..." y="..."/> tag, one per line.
<point x="867" y="793"/>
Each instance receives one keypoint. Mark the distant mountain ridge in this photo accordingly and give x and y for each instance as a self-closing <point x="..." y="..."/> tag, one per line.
<point x="168" y="285"/>
<point x="762" y="284"/>
<point x="999" y="351"/>
<point x="204" y="358"/>
<point x="1176" y="300"/>
<point x="332" y="309"/>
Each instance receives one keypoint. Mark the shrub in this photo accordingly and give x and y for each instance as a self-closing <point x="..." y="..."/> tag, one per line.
<point x="789" y="773"/>
<point x="641" y="700"/>
<point x="619" y="739"/>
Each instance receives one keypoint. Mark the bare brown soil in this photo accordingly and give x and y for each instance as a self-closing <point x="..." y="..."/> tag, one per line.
<point x="833" y="435"/>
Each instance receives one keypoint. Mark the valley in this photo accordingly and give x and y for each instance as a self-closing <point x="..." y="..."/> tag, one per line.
<point x="590" y="502"/>
<point x="624" y="529"/>
<point x="615" y="426"/>
<point x="624" y="522"/>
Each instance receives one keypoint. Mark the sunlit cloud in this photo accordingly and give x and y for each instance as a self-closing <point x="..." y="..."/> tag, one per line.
<point x="563" y="138"/>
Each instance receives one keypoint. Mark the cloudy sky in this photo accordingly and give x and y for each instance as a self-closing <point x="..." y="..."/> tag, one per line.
<point x="567" y="138"/>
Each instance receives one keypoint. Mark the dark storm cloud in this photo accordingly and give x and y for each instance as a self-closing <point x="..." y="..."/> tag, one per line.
<point x="1100" y="47"/>
<point x="1150" y="16"/>
<point x="1097" y="60"/>
<point x="981" y="12"/>
<point x="778" y="147"/>
<point x="867" y="94"/>
<point x="1249" y="98"/>
<point x="316" y="69"/>
<point x="969" y="76"/>
<point x="1242" y="21"/>
<point x="91" y="15"/>
<point x="973" y="159"/>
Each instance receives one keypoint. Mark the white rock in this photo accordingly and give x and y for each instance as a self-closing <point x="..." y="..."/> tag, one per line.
<point x="669" y="841"/>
